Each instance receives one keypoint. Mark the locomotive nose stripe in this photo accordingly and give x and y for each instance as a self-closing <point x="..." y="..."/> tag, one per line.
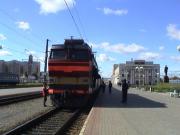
<point x="69" y="68"/>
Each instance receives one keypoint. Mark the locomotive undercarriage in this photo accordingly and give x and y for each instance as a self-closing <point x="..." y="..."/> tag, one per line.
<point x="68" y="100"/>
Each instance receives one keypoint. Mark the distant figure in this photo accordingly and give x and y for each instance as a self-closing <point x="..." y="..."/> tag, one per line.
<point x="45" y="93"/>
<point x="165" y="70"/>
<point x="119" y="84"/>
<point x="103" y="86"/>
<point x="124" y="91"/>
<point x="110" y="86"/>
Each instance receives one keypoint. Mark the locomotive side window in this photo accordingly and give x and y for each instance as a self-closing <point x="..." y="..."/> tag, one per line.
<point x="58" y="54"/>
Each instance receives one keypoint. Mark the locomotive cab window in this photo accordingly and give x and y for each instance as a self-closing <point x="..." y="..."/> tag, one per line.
<point x="58" y="54"/>
<point x="80" y="55"/>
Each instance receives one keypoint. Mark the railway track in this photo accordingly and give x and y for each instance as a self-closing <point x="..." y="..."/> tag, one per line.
<point x="54" y="122"/>
<point x="4" y="100"/>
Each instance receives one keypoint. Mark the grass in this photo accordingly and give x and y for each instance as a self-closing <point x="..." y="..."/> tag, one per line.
<point x="166" y="87"/>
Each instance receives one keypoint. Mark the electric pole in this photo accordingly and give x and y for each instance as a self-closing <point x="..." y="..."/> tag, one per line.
<point x="45" y="62"/>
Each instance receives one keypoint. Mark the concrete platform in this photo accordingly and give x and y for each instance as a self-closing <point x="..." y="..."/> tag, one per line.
<point x="13" y="91"/>
<point x="145" y="113"/>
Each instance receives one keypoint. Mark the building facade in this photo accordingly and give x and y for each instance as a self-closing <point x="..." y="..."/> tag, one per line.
<point x="22" y="68"/>
<point x="137" y="72"/>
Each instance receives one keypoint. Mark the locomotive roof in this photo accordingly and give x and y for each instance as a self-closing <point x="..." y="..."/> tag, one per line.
<point x="72" y="43"/>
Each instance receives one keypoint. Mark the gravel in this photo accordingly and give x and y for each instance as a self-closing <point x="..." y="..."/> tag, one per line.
<point x="77" y="125"/>
<point x="17" y="113"/>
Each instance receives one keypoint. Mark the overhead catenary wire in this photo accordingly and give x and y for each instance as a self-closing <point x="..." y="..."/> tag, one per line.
<point x="15" y="20"/>
<point x="34" y="55"/>
<point x="23" y="52"/>
<point x="15" y="31"/>
<point x="73" y="19"/>
<point x="84" y="33"/>
<point x="18" y="33"/>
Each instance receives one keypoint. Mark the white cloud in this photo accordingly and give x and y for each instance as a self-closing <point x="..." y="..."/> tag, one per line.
<point x="143" y="30"/>
<point x="106" y="74"/>
<point x="53" y="6"/>
<point x="161" y="48"/>
<point x="103" y="58"/>
<point x="120" y="47"/>
<point x="5" y="53"/>
<point x="2" y="37"/>
<point x="108" y="11"/>
<point x="16" y="10"/>
<point x="149" y="56"/>
<point x="23" y="25"/>
<point x="178" y="47"/>
<point x="93" y="45"/>
<point x="41" y="58"/>
<point x="173" y="32"/>
<point x="28" y="52"/>
<point x="175" y="58"/>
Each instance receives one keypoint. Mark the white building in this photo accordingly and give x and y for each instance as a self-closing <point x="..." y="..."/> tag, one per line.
<point x="137" y="72"/>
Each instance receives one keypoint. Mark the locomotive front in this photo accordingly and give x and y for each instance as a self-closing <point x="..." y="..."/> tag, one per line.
<point x="72" y="70"/>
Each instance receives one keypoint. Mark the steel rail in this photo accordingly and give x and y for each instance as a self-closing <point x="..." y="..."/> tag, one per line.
<point x="54" y="122"/>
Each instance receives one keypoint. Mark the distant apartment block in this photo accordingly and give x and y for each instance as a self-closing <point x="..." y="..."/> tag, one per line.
<point x="137" y="72"/>
<point x="22" y="68"/>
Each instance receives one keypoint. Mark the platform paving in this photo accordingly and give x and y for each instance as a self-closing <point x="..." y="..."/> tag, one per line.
<point x="145" y="113"/>
<point x="13" y="91"/>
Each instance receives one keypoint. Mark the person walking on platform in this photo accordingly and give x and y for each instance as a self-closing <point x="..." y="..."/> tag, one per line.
<point x="110" y="86"/>
<point x="103" y="86"/>
<point x="45" y="93"/>
<point x="124" y="91"/>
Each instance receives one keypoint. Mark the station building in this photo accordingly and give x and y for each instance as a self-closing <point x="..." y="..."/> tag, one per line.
<point x="137" y="72"/>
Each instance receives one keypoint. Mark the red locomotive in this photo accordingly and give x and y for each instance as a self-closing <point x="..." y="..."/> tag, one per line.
<point x="73" y="73"/>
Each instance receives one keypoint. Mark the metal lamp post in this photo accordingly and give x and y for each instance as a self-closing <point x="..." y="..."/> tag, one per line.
<point x="139" y="68"/>
<point x="157" y="74"/>
<point x="126" y="75"/>
<point x="143" y="80"/>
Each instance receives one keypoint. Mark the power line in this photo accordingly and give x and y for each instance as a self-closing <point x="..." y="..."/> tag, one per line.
<point x="18" y="33"/>
<point x="14" y="30"/>
<point x="14" y="19"/>
<point x="21" y="35"/>
<point x="33" y="55"/>
<point x="22" y="52"/>
<point x="73" y="19"/>
<point x="80" y="22"/>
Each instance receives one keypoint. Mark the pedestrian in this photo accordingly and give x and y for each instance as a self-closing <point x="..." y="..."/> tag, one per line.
<point x="124" y="91"/>
<point x="103" y="86"/>
<point x="119" y="84"/>
<point x="110" y="86"/>
<point x="45" y="93"/>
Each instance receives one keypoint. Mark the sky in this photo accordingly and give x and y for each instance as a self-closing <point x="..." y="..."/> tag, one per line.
<point x="117" y="30"/>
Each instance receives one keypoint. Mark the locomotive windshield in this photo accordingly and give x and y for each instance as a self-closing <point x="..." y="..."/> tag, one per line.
<point x="58" y="54"/>
<point x="79" y="55"/>
<point x="70" y="54"/>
